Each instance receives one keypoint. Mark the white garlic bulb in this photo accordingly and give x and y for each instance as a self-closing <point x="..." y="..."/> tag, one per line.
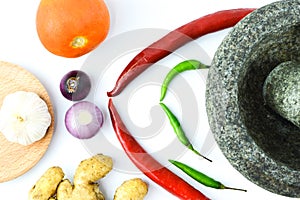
<point x="24" y="117"/>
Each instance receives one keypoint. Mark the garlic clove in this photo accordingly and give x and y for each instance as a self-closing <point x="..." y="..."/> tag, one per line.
<point x="24" y="117"/>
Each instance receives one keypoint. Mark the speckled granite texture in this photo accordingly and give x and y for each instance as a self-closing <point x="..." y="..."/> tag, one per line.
<point x="259" y="143"/>
<point x="281" y="91"/>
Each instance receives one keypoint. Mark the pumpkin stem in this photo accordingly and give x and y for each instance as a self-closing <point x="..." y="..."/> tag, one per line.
<point x="79" y="42"/>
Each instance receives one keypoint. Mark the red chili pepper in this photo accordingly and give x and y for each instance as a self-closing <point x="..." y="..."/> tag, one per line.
<point x="148" y="165"/>
<point x="175" y="39"/>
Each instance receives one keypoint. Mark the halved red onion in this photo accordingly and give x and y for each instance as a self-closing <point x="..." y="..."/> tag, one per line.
<point x="83" y="120"/>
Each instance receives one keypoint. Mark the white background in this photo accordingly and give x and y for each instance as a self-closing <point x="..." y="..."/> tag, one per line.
<point x="20" y="45"/>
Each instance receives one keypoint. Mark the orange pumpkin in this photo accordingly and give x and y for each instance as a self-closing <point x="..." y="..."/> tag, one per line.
<point x="72" y="28"/>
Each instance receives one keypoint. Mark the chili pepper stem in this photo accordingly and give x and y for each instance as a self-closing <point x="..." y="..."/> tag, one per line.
<point x="196" y="152"/>
<point x="230" y="188"/>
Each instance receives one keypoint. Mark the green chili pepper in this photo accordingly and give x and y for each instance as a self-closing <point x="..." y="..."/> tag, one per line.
<point x="181" y="67"/>
<point x="202" y="178"/>
<point x="179" y="131"/>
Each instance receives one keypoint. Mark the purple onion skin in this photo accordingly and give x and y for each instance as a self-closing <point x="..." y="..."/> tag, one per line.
<point x="83" y="131"/>
<point x="82" y="89"/>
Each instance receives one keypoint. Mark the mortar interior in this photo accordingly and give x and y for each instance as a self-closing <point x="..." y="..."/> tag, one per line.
<point x="276" y="136"/>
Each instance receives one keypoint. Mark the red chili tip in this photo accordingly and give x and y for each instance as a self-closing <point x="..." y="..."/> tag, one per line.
<point x="115" y="91"/>
<point x="110" y="94"/>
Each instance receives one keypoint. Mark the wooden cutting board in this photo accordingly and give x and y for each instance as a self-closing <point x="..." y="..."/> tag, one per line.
<point x="16" y="159"/>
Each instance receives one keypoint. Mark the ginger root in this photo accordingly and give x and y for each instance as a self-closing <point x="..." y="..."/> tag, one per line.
<point x="133" y="189"/>
<point x="87" y="173"/>
<point x="52" y="186"/>
<point x="46" y="186"/>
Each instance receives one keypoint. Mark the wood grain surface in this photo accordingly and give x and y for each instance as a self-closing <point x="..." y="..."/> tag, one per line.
<point x="16" y="159"/>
